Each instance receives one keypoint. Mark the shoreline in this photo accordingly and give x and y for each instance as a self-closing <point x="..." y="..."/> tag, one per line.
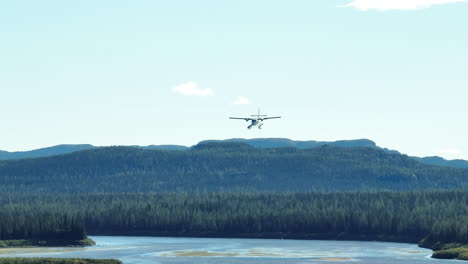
<point x="440" y="250"/>
<point x="25" y="243"/>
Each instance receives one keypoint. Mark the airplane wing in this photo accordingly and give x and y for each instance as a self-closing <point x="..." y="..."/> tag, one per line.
<point x="241" y="118"/>
<point x="271" y="117"/>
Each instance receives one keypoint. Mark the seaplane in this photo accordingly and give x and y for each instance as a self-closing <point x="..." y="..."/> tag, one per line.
<point x="256" y="120"/>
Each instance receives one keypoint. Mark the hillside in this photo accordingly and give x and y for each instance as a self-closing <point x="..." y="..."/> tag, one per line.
<point x="285" y="142"/>
<point x="256" y="142"/>
<point x="458" y="163"/>
<point x="225" y="166"/>
<point x="44" y="152"/>
<point x="69" y="148"/>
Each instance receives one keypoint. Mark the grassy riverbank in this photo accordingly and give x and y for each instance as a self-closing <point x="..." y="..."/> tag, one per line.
<point x="57" y="261"/>
<point x="460" y="253"/>
<point x="46" y="243"/>
<point x="450" y="251"/>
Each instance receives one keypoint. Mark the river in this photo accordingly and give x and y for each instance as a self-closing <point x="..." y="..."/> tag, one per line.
<point x="154" y="250"/>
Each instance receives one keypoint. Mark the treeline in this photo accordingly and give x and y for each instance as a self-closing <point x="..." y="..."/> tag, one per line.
<point x="218" y="167"/>
<point x="25" y="220"/>
<point x="436" y="216"/>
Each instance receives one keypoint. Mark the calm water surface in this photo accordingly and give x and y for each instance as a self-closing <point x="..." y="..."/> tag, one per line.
<point x="145" y="250"/>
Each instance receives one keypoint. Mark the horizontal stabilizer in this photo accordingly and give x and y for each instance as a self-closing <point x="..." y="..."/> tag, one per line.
<point x="272" y="117"/>
<point x="242" y="118"/>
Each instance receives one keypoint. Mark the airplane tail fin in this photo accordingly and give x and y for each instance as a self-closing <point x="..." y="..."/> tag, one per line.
<point x="258" y="115"/>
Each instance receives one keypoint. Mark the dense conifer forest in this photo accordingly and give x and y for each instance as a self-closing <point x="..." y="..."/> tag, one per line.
<point x="23" y="220"/>
<point x="225" y="167"/>
<point x="436" y="216"/>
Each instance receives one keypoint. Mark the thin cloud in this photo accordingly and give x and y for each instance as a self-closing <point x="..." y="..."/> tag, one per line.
<point x="191" y="88"/>
<point x="365" y="5"/>
<point x="241" y="101"/>
<point x="451" y="153"/>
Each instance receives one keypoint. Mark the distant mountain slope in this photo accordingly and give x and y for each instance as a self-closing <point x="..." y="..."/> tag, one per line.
<point x="164" y="147"/>
<point x="44" y="152"/>
<point x="231" y="166"/>
<point x="284" y="142"/>
<point x="443" y="162"/>
<point x="258" y="143"/>
<point x="66" y="149"/>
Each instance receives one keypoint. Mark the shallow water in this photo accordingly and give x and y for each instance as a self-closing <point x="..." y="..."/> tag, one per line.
<point x="145" y="250"/>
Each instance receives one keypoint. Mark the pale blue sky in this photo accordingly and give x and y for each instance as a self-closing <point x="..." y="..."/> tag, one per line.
<point x="104" y="72"/>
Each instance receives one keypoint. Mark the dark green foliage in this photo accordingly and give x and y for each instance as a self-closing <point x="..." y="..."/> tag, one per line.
<point x="46" y="242"/>
<point x="57" y="261"/>
<point x="438" y="216"/>
<point x="460" y="252"/>
<point x="26" y="220"/>
<point x="225" y="167"/>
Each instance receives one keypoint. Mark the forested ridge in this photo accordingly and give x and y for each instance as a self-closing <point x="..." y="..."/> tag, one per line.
<point x="255" y="142"/>
<point x="436" y="216"/>
<point x="226" y="167"/>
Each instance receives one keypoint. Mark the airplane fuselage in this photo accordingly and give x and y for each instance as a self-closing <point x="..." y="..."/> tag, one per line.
<point x="255" y="123"/>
